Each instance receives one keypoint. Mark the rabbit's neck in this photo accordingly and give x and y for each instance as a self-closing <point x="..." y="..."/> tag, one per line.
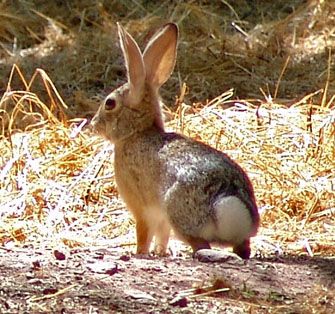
<point x="139" y="143"/>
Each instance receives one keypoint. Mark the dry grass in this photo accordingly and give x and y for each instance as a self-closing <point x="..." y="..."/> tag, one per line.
<point x="50" y="174"/>
<point x="57" y="179"/>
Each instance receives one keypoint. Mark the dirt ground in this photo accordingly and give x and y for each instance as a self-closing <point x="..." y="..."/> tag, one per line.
<point x="107" y="281"/>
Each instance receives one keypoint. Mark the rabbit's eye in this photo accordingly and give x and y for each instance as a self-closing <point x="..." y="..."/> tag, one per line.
<point x="110" y="104"/>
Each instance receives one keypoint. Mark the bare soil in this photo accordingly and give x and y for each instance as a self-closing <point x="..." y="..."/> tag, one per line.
<point x="109" y="281"/>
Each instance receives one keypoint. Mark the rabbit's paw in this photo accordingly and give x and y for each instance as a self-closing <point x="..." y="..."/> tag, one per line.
<point x="143" y="256"/>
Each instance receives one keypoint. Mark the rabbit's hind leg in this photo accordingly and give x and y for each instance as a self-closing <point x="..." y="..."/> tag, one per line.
<point x="196" y="243"/>
<point x="243" y="249"/>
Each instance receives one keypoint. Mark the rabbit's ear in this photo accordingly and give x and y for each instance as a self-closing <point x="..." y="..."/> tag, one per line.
<point x="160" y="55"/>
<point x="134" y="64"/>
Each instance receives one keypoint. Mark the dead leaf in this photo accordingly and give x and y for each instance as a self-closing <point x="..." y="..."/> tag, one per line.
<point x="138" y="294"/>
<point x="59" y="255"/>
<point x="181" y="302"/>
<point x="101" y="267"/>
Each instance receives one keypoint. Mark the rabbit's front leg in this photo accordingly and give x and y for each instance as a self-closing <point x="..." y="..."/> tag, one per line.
<point x="144" y="236"/>
<point x="162" y="238"/>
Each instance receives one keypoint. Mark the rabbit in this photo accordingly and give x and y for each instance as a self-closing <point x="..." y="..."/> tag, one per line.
<point x="169" y="181"/>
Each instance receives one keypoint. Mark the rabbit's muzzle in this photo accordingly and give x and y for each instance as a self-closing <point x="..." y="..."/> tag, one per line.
<point x="97" y="124"/>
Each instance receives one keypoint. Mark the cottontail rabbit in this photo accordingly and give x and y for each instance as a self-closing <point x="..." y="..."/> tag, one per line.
<point x="166" y="179"/>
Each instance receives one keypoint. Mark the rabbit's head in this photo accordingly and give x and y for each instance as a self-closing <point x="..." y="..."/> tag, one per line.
<point x="135" y="106"/>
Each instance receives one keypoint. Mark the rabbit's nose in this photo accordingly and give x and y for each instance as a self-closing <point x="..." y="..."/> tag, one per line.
<point x="93" y="123"/>
<point x="97" y="124"/>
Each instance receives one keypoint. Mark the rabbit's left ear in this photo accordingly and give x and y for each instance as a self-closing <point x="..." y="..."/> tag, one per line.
<point x="160" y="55"/>
<point x="134" y="64"/>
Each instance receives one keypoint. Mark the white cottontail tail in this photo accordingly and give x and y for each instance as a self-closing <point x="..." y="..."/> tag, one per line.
<point x="166" y="179"/>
